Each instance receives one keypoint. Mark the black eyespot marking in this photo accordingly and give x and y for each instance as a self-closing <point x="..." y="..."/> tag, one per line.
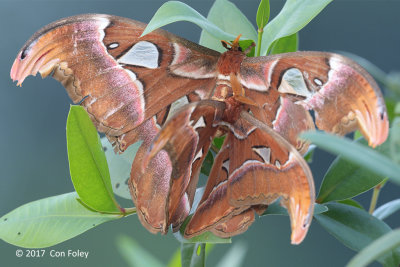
<point x="240" y="49"/>
<point x="116" y="185"/>
<point x="19" y="233"/>
<point x="23" y="54"/>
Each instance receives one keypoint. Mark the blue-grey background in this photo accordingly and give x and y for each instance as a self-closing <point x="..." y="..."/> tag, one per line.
<point x="33" y="157"/>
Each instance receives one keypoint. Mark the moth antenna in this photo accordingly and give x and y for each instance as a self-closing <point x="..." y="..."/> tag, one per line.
<point x="226" y="44"/>
<point x="232" y="46"/>
<point x="236" y="41"/>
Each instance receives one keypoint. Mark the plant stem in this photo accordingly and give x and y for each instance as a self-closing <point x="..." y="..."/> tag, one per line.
<point x="259" y="39"/>
<point x="123" y="212"/>
<point x="374" y="199"/>
<point x="129" y="211"/>
<point x="375" y="195"/>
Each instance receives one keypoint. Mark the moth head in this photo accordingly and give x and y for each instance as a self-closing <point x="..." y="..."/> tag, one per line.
<point x="232" y="46"/>
<point x="235" y="46"/>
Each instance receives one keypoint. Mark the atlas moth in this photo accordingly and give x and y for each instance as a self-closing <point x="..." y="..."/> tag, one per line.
<point x="128" y="82"/>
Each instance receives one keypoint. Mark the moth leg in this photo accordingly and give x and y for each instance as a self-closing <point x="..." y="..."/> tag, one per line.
<point x="238" y="91"/>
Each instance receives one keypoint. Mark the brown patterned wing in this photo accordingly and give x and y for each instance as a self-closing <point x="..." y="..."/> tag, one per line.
<point x="256" y="167"/>
<point x="214" y="212"/>
<point x="236" y="225"/>
<point x="142" y="184"/>
<point x="283" y="116"/>
<point x="290" y="120"/>
<point x="120" y="78"/>
<point x="270" y="168"/>
<point x="342" y="94"/>
<point x="184" y="140"/>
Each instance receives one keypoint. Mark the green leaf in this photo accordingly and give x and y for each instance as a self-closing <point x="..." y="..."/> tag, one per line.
<point x="209" y="248"/>
<point x="134" y="254"/>
<point x="286" y="44"/>
<point x="232" y="21"/>
<point x="206" y="237"/>
<point x="292" y="18"/>
<point x="345" y="179"/>
<point x="235" y="255"/>
<point x="319" y="208"/>
<point x="207" y="164"/>
<point x="49" y="221"/>
<point x="390" y="106"/>
<point x="176" y="257"/>
<point x="87" y="162"/>
<point x="276" y="209"/>
<point x="193" y="255"/>
<point x="355" y="228"/>
<point x="218" y="141"/>
<point x="175" y="260"/>
<point x="174" y="11"/>
<point x="357" y="153"/>
<point x="357" y="135"/>
<point x="308" y="156"/>
<point x="394" y="138"/>
<point x="120" y="166"/>
<point x="393" y="83"/>
<point x="387" y="209"/>
<point x="378" y="248"/>
<point x="244" y="44"/>
<point x="351" y="202"/>
<point x="263" y="14"/>
<point x="197" y="197"/>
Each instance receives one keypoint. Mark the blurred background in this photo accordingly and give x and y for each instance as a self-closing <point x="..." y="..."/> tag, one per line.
<point x="33" y="156"/>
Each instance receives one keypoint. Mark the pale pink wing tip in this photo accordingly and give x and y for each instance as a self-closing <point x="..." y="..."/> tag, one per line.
<point x="381" y="136"/>
<point x="14" y="74"/>
<point x="385" y="130"/>
<point x="14" y="69"/>
<point x="298" y="236"/>
<point x="299" y="231"/>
